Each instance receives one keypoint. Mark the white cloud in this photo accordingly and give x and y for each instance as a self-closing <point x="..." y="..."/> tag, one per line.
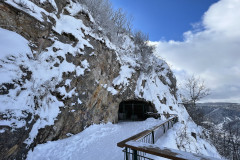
<point x="213" y="53"/>
<point x="224" y="17"/>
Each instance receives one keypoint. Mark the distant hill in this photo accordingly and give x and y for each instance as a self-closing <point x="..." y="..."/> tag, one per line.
<point x="220" y="114"/>
<point x="222" y="120"/>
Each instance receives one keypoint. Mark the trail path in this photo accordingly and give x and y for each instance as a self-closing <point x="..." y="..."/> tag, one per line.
<point x="98" y="142"/>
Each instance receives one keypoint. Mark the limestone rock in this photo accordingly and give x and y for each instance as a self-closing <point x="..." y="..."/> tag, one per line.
<point x="92" y="81"/>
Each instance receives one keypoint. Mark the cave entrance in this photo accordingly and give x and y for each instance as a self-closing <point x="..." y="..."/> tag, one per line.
<point x="133" y="110"/>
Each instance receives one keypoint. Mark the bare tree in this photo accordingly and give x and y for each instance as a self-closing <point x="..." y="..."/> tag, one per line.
<point x="115" y="24"/>
<point x="144" y="50"/>
<point x="129" y="25"/>
<point x="120" y="20"/>
<point x="196" y="90"/>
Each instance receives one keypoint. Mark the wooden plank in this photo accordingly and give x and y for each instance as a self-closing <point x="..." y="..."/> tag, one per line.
<point x="166" y="152"/>
<point x="134" y="137"/>
<point x="165" y="121"/>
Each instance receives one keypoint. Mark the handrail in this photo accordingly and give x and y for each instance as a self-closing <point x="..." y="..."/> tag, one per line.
<point x="137" y="149"/>
<point x="166" y="152"/>
<point x="145" y="132"/>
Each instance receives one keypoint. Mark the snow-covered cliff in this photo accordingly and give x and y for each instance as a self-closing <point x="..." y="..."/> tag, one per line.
<point x="61" y="74"/>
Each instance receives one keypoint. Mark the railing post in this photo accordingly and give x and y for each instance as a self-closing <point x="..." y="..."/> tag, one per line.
<point x="145" y="136"/>
<point x="164" y="128"/>
<point x="126" y="153"/>
<point x="152" y="137"/>
<point x="176" y="119"/>
<point x="134" y="154"/>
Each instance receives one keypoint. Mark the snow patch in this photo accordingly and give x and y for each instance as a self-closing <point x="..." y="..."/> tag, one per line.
<point x="112" y="90"/>
<point x="31" y="9"/>
<point x="80" y="70"/>
<point x="124" y="76"/>
<point x="64" y="93"/>
<point x="79" y="101"/>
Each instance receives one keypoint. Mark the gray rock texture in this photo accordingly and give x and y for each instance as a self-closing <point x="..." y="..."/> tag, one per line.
<point x="98" y="105"/>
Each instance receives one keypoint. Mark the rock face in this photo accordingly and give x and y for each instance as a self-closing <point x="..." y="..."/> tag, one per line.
<point x="90" y="93"/>
<point x="20" y="22"/>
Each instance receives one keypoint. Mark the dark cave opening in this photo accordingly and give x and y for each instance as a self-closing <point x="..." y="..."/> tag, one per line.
<point x="134" y="110"/>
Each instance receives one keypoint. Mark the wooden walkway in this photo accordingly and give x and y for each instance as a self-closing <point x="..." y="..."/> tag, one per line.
<point x="138" y="146"/>
<point x="166" y="152"/>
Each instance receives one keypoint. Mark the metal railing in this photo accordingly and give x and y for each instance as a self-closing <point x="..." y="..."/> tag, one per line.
<point x="154" y="150"/>
<point x="134" y="154"/>
<point x="147" y="136"/>
<point x="141" y="146"/>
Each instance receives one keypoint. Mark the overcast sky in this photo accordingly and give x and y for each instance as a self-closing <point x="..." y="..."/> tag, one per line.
<point x="210" y="49"/>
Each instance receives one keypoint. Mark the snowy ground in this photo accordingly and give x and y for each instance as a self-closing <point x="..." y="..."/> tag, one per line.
<point x="98" y="142"/>
<point x="197" y="145"/>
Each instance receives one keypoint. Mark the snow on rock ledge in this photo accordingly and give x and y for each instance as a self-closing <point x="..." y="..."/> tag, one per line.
<point x="70" y="76"/>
